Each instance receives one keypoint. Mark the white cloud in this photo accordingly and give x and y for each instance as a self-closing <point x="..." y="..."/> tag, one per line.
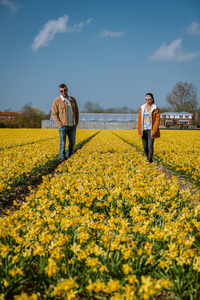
<point x="172" y="52"/>
<point x="194" y="28"/>
<point x="11" y="4"/>
<point x="106" y="33"/>
<point x="79" y="27"/>
<point x="47" y="33"/>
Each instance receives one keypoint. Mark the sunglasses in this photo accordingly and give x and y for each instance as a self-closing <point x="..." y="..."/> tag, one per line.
<point x="148" y="98"/>
<point x="62" y="91"/>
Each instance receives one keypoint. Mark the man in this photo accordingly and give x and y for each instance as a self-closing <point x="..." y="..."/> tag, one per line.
<point x="66" y="116"/>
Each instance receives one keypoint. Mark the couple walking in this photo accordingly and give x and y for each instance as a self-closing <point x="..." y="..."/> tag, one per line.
<point x="65" y="113"/>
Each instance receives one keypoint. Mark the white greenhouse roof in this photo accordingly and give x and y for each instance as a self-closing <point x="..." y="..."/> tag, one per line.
<point x="98" y="117"/>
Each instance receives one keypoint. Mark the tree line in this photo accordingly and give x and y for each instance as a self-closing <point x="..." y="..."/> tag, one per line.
<point x="28" y="117"/>
<point x="183" y="97"/>
<point x="92" y="107"/>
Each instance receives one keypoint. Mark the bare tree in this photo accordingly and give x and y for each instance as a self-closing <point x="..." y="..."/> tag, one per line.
<point x="91" y="107"/>
<point x="183" y="97"/>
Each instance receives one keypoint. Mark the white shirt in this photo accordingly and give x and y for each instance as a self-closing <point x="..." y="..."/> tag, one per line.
<point x="70" y="119"/>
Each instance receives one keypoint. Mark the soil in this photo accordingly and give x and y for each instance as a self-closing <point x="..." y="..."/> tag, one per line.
<point x="183" y="183"/>
<point x="20" y="192"/>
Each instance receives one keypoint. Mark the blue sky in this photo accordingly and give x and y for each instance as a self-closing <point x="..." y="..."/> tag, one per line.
<point x="107" y="51"/>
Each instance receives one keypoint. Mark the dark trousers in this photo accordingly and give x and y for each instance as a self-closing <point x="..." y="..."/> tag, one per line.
<point x="147" y="142"/>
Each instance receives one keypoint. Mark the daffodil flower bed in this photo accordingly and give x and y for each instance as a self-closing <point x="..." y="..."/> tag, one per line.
<point x="107" y="225"/>
<point x="19" y="137"/>
<point x="27" y="152"/>
<point x="178" y="150"/>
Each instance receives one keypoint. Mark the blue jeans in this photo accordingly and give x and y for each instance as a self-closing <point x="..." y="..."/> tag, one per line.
<point x="147" y="142"/>
<point x="71" y="132"/>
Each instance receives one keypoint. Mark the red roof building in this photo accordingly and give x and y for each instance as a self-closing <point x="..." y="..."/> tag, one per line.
<point x="8" y="116"/>
<point x="176" y="118"/>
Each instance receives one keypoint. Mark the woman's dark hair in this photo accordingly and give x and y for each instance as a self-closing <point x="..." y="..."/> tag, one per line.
<point x="150" y="94"/>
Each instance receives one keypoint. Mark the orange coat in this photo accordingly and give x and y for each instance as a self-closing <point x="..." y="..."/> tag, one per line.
<point x="155" y="117"/>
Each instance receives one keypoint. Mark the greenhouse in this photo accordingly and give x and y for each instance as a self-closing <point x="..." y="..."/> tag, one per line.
<point x="100" y="121"/>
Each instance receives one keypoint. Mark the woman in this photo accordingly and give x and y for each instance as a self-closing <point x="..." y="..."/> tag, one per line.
<point x="148" y="125"/>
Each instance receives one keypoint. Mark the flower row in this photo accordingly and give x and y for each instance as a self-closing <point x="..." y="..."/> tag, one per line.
<point x="18" y="137"/>
<point x="106" y="225"/>
<point x="176" y="149"/>
<point x="17" y="162"/>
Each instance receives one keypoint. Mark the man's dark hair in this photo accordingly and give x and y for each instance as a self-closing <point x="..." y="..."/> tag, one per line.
<point x="62" y="86"/>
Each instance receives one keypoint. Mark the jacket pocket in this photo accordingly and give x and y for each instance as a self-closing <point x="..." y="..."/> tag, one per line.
<point x="62" y="109"/>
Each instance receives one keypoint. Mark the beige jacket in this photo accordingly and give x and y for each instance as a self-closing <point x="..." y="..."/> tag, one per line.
<point x="59" y="111"/>
<point x="155" y="121"/>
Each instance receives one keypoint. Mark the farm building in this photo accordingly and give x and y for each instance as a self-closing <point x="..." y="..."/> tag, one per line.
<point x="176" y="118"/>
<point x="8" y="116"/>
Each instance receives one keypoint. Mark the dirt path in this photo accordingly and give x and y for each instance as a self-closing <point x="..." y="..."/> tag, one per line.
<point x="183" y="183"/>
<point x="20" y="192"/>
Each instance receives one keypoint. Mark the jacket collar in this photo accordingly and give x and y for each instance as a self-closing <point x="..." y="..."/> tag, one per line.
<point x="63" y="98"/>
<point x="153" y="106"/>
